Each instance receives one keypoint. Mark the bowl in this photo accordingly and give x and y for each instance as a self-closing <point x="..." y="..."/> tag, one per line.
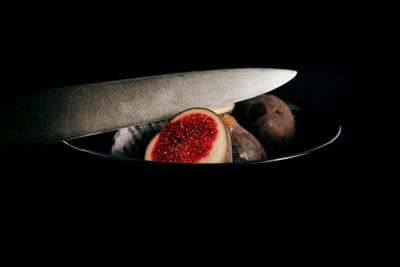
<point x="315" y="130"/>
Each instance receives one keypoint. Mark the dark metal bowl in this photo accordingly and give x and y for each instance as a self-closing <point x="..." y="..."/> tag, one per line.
<point x="315" y="129"/>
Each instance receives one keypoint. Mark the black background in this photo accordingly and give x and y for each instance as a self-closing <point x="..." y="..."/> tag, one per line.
<point x="53" y="193"/>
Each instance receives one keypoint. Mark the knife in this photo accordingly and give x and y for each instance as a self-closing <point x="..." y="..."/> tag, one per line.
<point x="76" y="111"/>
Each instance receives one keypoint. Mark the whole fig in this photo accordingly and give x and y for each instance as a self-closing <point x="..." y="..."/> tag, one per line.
<point x="245" y="147"/>
<point x="269" y="119"/>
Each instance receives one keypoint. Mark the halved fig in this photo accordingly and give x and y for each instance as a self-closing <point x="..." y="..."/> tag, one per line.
<point x="245" y="147"/>
<point x="196" y="135"/>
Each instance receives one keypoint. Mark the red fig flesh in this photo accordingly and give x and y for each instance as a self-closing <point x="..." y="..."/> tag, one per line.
<point x="194" y="136"/>
<point x="245" y="147"/>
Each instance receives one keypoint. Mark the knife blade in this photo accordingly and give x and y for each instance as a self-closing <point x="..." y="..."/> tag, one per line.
<point x="76" y="111"/>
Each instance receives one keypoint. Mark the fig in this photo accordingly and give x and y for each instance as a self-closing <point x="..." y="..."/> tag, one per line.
<point x="197" y="135"/>
<point x="245" y="147"/>
<point x="269" y="119"/>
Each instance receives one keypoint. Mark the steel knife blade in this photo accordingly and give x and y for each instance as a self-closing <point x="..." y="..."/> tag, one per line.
<point x="82" y="110"/>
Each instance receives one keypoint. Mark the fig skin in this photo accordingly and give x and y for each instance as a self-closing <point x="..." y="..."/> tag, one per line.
<point x="245" y="147"/>
<point x="269" y="119"/>
<point x="196" y="135"/>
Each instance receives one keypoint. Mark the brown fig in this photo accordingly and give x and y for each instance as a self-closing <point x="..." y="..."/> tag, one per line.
<point x="196" y="135"/>
<point x="245" y="147"/>
<point x="269" y="119"/>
